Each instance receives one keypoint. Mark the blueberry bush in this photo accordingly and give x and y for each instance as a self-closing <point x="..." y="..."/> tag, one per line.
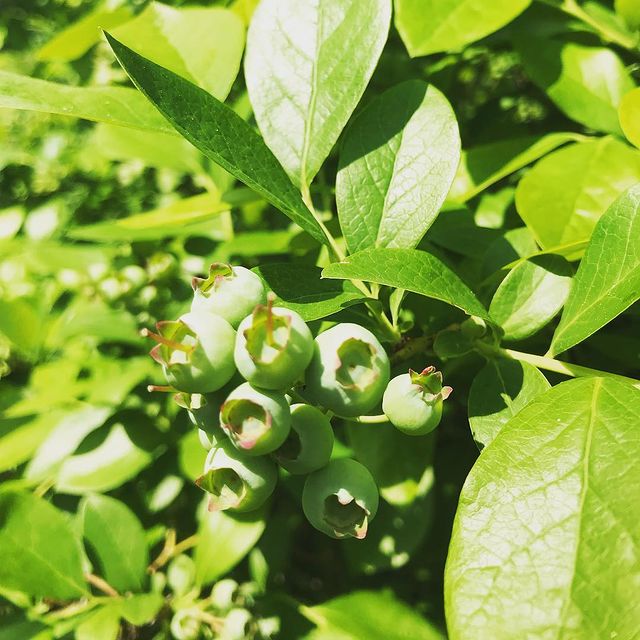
<point x="385" y="256"/>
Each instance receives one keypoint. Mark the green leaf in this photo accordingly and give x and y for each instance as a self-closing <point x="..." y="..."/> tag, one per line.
<point x="564" y="195"/>
<point x="484" y="165"/>
<point x="301" y="289"/>
<point x="397" y="163"/>
<point x="141" y="608"/>
<point x="498" y="392"/>
<point x="74" y="41"/>
<point x="114" y="105"/>
<point x="221" y="134"/>
<point x="101" y="624"/>
<point x="548" y="546"/>
<point x="629" y="113"/>
<point x="585" y="83"/>
<point x="608" y="278"/>
<point x="203" y="45"/>
<point x="630" y="11"/>
<point x="108" y="465"/>
<point x="409" y="269"/>
<point x="39" y="553"/>
<point x="307" y="65"/>
<point x="372" y="615"/>
<point x="430" y="26"/>
<point x="531" y="295"/>
<point x="19" y="627"/>
<point x="223" y="540"/>
<point x="117" y="538"/>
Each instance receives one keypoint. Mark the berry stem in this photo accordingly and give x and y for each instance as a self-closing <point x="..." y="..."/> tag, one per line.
<point x="379" y="419"/>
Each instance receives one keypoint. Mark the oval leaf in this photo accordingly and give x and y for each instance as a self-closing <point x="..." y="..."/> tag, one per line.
<point x="409" y="269"/>
<point x="220" y="133"/>
<point x="630" y="116"/>
<point x="564" y="195"/>
<point x="547" y="546"/>
<point x="608" y="279"/>
<point x="39" y="553"/>
<point x="397" y="163"/>
<point x="498" y="392"/>
<point x="307" y="65"/>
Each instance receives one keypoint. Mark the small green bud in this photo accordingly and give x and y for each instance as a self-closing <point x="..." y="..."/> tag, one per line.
<point x="256" y="421"/>
<point x="273" y="347"/>
<point x="236" y="625"/>
<point x="185" y="625"/>
<point x="181" y="574"/>
<point x="236" y="482"/>
<point x="195" y="351"/>
<point x="413" y="401"/>
<point x="348" y="372"/>
<point x="229" y="292"/>
<point x="310" y="441"/>
<point x="223" y="594"/>
<point x="341" y="499"/>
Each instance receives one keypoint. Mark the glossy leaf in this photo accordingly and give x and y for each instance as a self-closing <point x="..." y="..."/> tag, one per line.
<point x="397" y="163"/>
<point x="586" y="83"/>
<point x="431" y="26"/>
<point x="498" y="392"/>
<point x="301" y="289"/>
<point x="219" y="133"/>
<point x="203" y="45"/>
<point x="547" y="547"/>
<point x="608" y="279"/>
<point x="484" y="165"/>
<point x="564" y="195"/>
<point x="372" y="615"/>
<point x="531" y="295"/>
<point x="307" y="65"/>
<point x="409" y="269"/>
<point x="117" y="539"/>
<point x="39" y="553"/>
<point x="114" y="105"/>
<point x="630" y="116"/>
<point x="223" y="540"/>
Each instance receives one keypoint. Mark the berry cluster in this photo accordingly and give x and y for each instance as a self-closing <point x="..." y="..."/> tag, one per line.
<point x="238" y="362"/>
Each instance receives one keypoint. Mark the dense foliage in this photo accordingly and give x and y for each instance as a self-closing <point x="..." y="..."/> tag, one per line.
<point x="392" y="252"/>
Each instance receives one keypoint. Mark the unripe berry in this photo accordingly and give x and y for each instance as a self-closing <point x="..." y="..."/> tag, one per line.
<point x="185" y="625"/>
<point x="257" y="422"/>
<point x="310" y="441"/>
<point x="413" y="401"/>
<point x="273" y="347"/>
<point x="204" y="412"/>
<point x="235" y="481"/>
<point x="195" y="351"/>
<point x="348" y="372"/>
<point x="229" y="292"/>
<point x="341" y="499"/>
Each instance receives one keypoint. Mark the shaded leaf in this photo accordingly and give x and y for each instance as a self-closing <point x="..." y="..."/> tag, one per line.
<point x="630" y="116"/>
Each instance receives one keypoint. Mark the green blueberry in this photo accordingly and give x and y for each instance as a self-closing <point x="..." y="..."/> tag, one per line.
<point x="310" y="441"/>
<point x="195" y="351"/>
<point x="256" y="421"/>
<point x="341" y="499"/>
<point x="348" y="372"/>
<point x="273" y="347"/>
<point x="413" y="401"/>
<point x="236" y="482"/>
<point x="229" y="292"/>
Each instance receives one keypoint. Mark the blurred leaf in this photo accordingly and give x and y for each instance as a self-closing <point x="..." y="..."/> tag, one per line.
<point x="112" y="463"/>
<point x="531" y="295"/>
<point x="397" y="162"/>
<point x="19" y="627"/>
<point x="203" y="45"/>
<point x="39" y="553"/>
<point x="586" y="83"/>
<point x="498" y="392"/>
<point x="140" y="609"/>
<point x="191" y="455"/>
<point x="222" y="135"/>
<point x="608" y="278"/>
<point x="415" y="271"/>
<point x="101" y="624"/>
<point x="630" y="11"/>
<point x="255" y="243"/>
<point x="630" y="116"/>
<point x="369" y="614"/>
<point x="115" y="105"/>
<point x="117" y="538"/>
<point x="306" y="72"/>
<point x="301" y="289"/>
<point x="223" y="540"/>
<point x="564" y="194"/>
<point x="11" y="220"/>
<point x="24" y="322"/>
<point x="74" y="41"/>
<point x="562" y="508"/>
